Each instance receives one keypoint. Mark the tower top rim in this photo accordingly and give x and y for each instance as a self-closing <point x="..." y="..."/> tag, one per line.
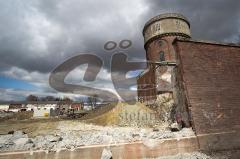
<point x="165" y="16"/>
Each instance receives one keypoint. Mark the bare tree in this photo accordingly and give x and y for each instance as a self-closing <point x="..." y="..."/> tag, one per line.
<point x="48" y="98"/>
<point x="92" y="101"/>
<point x="67" y="99"/>
<point x="31" y="98"/>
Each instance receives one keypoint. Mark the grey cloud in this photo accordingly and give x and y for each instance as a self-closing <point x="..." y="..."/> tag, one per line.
<point x="83" y="27"/>
<point x="212" y="20"/>
<point x="38" y="35"/>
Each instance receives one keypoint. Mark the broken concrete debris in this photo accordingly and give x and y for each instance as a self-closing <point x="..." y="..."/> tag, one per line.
<point x="106" y="154"/>
<point x="175" y="127"/>
<point x="72" y="137"/>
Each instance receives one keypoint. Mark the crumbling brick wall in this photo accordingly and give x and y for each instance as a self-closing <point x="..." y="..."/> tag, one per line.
<point x="146" y="87"/>
<point x="211" y="78"/>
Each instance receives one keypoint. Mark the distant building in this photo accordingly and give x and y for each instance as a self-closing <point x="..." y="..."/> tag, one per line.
<point x="4" y="107"/>
<point x="45" y="109"/>
<point x="30" y="106"/>
<point x="42" y="108"/>
<point x="77" y="106"/>
<point x="16" y="107"/>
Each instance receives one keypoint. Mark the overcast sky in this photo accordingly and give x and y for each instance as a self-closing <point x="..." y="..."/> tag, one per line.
<point x="38" y="35"/>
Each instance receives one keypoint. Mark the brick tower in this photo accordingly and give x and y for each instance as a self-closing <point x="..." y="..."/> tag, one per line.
<point x="160" y="78"/>
<point x="159" y="33"/>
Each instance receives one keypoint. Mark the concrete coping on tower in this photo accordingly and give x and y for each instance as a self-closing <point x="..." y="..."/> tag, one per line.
<point x="168" y="24"/>
<point x="165" y="16"/>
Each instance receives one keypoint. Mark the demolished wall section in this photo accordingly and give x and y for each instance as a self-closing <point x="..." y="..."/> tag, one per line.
<point x="180" y="98"/>
<point x="147" y="87"/>
<point x="211" y="75"/>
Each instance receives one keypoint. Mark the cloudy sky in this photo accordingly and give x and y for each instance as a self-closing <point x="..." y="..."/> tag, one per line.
<point x="38" y="35"/>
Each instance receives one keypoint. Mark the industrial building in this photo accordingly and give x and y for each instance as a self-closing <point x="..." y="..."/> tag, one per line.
<point x="202" y="77"/>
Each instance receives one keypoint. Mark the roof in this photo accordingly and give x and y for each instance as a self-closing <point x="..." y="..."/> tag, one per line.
<point x="206" y="42"/>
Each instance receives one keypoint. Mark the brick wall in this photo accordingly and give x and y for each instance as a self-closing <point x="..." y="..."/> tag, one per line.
<point x="211" y="78"/>
<point x="158" y="79"/>
<point x="146" y="87"/>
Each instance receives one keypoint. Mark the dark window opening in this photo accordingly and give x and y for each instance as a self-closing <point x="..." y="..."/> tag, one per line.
<point x="161" y="55"/>
<point x="160" y="43"/>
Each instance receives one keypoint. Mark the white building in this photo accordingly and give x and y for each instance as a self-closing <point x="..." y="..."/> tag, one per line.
<point x="15" y="107"/>
<point x="30" y="107"/>
<point x="43" y="110"/>
<point x="87" y="107"/>
<point x="4" y="107"/>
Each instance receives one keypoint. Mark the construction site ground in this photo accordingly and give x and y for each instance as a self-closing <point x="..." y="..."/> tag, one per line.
<point x="101" y="133"/>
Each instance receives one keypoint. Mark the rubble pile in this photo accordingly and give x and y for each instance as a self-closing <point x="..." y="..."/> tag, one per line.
<point x="74" y="136"/>
<point x="164" y="105"/>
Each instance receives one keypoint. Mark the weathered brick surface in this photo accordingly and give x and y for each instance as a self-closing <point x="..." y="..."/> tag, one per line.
<point x="161" y="45"/>
<point x="147" y="86"/>
<point x="211" y="76"/>
<point x="155" y="78"/>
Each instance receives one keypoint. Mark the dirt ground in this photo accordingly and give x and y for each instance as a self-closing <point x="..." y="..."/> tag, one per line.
<point x="32" y="127"/>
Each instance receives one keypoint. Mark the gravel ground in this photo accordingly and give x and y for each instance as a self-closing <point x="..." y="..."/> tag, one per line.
<point x="73" y="135"/>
